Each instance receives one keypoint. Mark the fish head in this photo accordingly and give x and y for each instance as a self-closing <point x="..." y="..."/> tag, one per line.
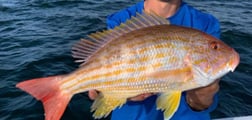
<point x="214" y="58"/>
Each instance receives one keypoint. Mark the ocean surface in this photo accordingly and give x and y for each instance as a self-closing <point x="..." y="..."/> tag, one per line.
<point x="36" y="38"/>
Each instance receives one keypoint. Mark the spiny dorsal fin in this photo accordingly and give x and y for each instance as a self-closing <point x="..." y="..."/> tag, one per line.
<point x="84" y="49"/>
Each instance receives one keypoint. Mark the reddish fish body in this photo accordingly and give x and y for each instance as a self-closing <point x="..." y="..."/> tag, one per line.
<point x="146" y="54"/>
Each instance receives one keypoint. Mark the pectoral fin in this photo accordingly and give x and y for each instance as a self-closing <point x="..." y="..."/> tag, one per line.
<point x="105" y="103"/>
<point x="169" y="102"/>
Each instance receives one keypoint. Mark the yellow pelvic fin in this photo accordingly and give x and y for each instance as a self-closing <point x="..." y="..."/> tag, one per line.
<point x="105" y="103"/>
<point x="169" y="102"/>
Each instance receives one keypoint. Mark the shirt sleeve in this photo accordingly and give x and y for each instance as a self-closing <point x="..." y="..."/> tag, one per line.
<point x="116" y="19"/>
<point x="213" y="27"/>
<point x="189" y="114"/>
<point x="111" y="23"/>
<point x="204" y="22"/>
<point x="121" y="16"/>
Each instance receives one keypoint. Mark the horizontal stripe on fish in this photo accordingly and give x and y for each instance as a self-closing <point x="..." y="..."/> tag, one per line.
<point x="125" y="75"/>
<point x="142" y="58"/>
<point x="143" y="44"/>
<point x="111" y="75"/>
<point x="133" y="84"/>
<point x="129" y="68"/>
<point x="139" y="85"/>
<point x="133" y="44"/>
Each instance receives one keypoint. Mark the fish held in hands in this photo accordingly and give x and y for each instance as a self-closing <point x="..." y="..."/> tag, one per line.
<point x="144" y="55"/>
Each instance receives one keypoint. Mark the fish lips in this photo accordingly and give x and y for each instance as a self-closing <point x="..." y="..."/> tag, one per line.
<point x="233" y="63"/>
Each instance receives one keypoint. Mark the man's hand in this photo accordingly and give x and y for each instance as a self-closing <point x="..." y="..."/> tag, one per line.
<point x="198" y="99"/>
<point x="92" y="94"/>
<point x="201" y="98"/>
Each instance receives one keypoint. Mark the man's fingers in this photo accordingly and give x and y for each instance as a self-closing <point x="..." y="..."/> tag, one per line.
<point x="141" y="97"/>
<point x="92" y="94"/>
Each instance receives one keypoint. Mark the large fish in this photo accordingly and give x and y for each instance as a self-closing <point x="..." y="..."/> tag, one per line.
<point x="144" y="55"/>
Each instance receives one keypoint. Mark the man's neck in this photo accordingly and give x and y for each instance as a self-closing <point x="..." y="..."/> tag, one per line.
<point x="164" y="8"/>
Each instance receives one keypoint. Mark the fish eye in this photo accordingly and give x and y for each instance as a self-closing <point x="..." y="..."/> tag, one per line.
<point x="214" y="45"/>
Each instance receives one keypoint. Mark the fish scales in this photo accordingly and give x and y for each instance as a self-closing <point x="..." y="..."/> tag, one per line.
<point x="144" y="55"/>
<point x="153" y="48"/>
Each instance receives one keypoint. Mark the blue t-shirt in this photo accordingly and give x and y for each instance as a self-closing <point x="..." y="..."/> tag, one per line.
<point x="146" y="110"/>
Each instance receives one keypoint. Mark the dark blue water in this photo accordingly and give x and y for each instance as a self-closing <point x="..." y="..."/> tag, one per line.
<point x="36" y="38"/>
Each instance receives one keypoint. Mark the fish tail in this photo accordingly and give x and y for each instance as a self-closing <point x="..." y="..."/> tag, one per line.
<point x="48" y="91"/>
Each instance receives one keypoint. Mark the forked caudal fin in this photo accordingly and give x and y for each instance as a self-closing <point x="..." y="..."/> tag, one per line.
<point x="47" y="90"/>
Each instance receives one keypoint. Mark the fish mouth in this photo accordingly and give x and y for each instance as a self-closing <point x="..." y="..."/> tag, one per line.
<point x="235" y="60"/>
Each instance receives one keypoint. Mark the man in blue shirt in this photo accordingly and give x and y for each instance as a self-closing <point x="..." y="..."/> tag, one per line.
<point x="195" y="104"/>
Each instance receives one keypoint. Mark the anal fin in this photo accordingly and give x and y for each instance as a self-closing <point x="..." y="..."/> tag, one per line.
<point x="105" y="103"/>
<point x="169" y="103"/>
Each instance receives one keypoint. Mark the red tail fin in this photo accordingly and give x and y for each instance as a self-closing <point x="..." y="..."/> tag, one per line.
<point x="47" y="90"/>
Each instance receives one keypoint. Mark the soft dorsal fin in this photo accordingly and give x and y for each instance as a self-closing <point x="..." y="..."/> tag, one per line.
<point x="85" y="48"/>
